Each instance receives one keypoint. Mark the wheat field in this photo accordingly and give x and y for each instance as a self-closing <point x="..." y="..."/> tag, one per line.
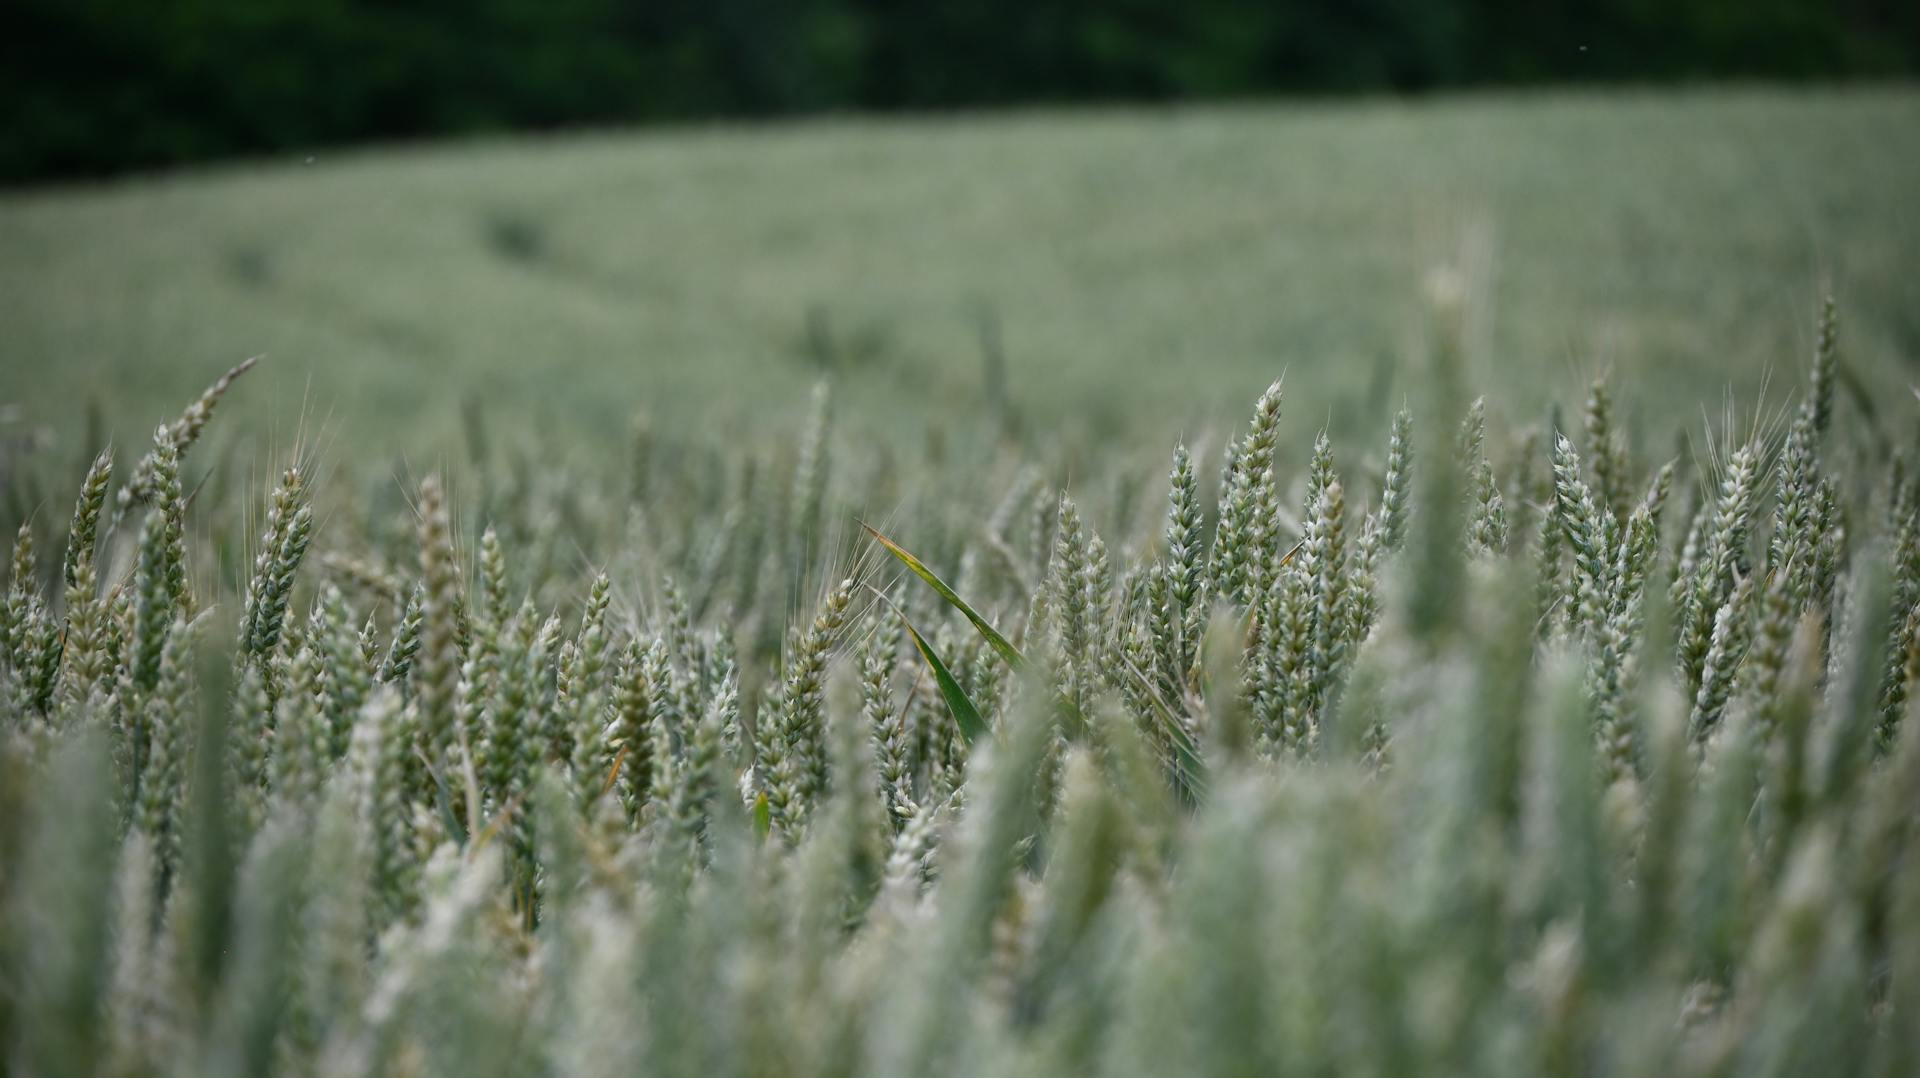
<point x="1090" y="276"/>
<point x="1379" y="588"/>
<point x="1493" y="749"/>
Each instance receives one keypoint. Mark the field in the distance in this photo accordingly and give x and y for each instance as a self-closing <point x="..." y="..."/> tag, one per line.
<point x="1136" y="267"/>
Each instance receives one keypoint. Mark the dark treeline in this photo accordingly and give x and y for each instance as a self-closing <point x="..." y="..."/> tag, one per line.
<point x="94" y="86"/>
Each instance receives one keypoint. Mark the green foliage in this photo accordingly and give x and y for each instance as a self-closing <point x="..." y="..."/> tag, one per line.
<point x="1384" y="802"/>
<point x="233" y="76"/>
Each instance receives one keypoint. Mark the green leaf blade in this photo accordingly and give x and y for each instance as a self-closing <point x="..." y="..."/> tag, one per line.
<point x="998" y="642"/>
<point x="972" y="726"/>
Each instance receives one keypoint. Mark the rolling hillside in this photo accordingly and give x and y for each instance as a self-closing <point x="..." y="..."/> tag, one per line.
<point x="1107" y="259"/>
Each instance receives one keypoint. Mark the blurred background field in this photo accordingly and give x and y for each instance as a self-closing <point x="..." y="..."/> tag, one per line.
<point x="1068" y="274"/>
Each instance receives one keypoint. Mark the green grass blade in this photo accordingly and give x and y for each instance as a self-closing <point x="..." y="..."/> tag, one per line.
<point x="1000" y="643"/>
<point x="972" y="726"/>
